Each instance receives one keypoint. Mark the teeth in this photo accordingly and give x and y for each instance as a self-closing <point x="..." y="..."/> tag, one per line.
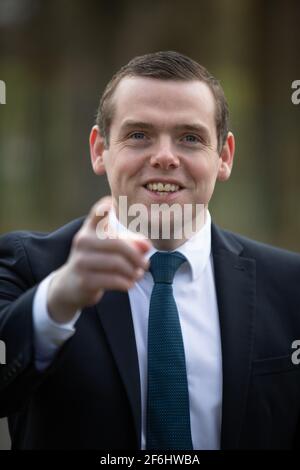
<point x="161" y="187"/>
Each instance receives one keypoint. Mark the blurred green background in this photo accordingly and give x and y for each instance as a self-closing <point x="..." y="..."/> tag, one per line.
<point x="56" y="57"/>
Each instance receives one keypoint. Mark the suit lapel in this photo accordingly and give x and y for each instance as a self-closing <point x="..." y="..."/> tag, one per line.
<point x="115" y="314"/>
<point x="235" y="285"/>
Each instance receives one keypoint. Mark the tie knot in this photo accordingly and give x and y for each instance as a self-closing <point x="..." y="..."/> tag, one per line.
<point x="163" y="266"/>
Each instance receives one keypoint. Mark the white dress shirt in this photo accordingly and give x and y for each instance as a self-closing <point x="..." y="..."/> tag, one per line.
<point x="195" y="296"/>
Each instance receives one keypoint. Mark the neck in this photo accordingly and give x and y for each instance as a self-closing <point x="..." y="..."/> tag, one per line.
<point x="175" y="234"/>
<point x="168" y="245"/>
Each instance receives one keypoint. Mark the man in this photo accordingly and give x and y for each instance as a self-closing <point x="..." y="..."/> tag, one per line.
<point x="106" y="348"/>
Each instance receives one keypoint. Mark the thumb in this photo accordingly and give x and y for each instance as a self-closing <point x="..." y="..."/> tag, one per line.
<point x="99" y="213"/>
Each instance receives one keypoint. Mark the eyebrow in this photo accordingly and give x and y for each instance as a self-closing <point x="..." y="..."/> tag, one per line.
<point x="200" y="128"/>
<point x="130" y="124"/>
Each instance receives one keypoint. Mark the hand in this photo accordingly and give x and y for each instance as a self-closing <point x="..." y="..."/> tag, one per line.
<point x="95" y="265"/>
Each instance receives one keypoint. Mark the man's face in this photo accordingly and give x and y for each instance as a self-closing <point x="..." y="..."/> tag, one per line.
<point x="163" y="132"/>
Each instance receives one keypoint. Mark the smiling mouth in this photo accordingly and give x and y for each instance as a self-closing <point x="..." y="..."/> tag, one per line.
<point x="163" y="189"/>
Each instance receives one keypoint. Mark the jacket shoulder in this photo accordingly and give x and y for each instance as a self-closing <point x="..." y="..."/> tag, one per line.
<point x="42" y="251"/>
<point x="255" y="246"/>
<point x="278" y="259"/>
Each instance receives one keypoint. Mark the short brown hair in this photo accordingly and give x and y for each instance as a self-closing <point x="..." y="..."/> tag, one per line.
<point x="164" y="65"/>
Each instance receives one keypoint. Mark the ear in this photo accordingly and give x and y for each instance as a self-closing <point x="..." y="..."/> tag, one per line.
<point x="226" y="158"/>
<point x="97" y="149"/>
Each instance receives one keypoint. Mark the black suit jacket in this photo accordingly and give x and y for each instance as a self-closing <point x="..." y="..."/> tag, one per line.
<point x="90" y="396"/>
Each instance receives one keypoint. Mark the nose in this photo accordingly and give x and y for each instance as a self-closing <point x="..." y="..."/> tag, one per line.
<point x="164" y="156"/>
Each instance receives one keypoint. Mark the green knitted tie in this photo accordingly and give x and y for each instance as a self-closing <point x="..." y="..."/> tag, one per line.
<point x="168" y="415"/>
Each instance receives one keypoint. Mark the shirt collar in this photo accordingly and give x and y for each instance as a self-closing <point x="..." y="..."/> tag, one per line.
<point x="196" y="249"/>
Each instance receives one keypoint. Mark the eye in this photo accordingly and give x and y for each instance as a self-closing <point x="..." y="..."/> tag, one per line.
<point x="190" y="138"/>
<point x="137" y="136"/>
